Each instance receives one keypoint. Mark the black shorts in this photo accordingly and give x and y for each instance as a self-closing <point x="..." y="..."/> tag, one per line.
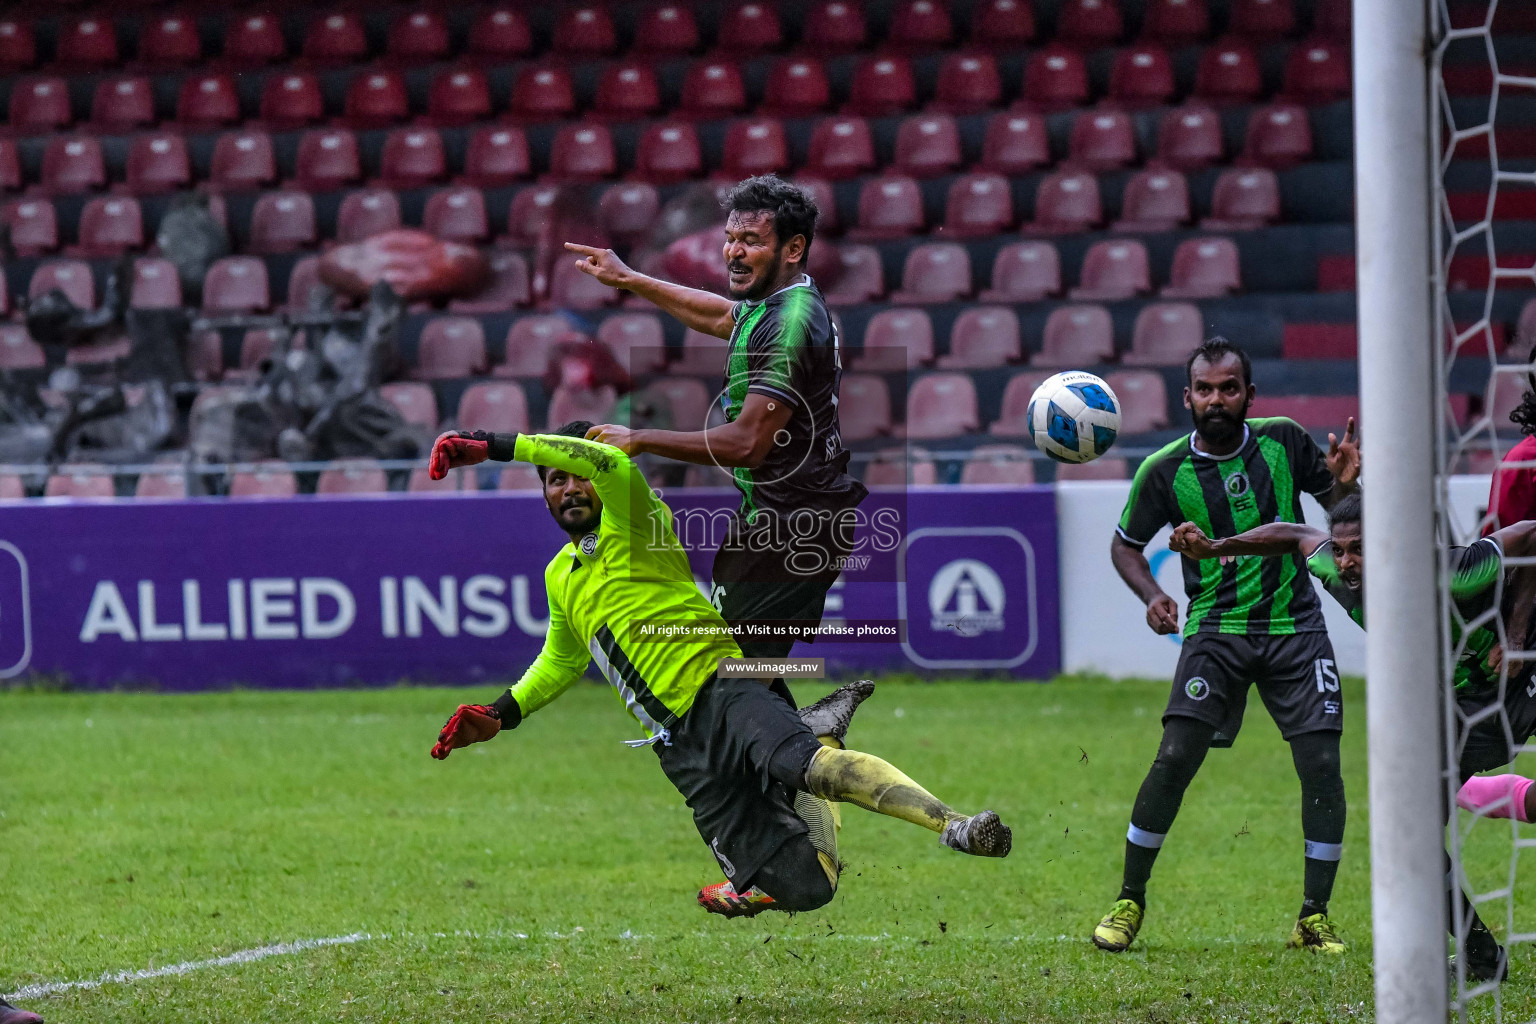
<point x="1297" y="677"/>
<point x="1485" y="745"/>
<point x="764" y="586"/>
<point x="737" y="757"/>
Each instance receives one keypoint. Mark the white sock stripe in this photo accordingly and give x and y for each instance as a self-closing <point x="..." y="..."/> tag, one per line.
<point x="1141" y="837"/>
<point x="1324" y="851"/>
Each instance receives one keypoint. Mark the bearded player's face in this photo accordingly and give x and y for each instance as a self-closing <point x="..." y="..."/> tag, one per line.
<point x="572" y="501"/>
<point x="755" y="255"/>
<point x="1217" y="399"/>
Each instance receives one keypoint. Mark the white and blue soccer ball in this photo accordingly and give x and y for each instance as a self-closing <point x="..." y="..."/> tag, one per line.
<point x="1074" y="417"/>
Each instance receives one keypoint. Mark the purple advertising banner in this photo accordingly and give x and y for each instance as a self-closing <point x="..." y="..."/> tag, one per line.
<point x="303" y="592"/>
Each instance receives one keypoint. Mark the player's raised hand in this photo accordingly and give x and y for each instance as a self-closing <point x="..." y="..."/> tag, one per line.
<point x="621" y="438"/>
<point x="1188" y="539"/>
<point x="1163" y="615"/>
<point x="458" y="448"/>
<point x="472" y="723"/>
<point x="601" y="264"/>
<point x="1344" y="456"/>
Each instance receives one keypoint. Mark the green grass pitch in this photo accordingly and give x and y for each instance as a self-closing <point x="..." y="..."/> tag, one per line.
<point x="549" y="875"/>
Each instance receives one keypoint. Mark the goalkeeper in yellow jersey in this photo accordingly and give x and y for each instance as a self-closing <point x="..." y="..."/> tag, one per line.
<point x="757" y="774"/>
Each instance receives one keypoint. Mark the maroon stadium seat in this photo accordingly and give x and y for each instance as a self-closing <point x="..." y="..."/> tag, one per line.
<point x="668" y="152"/>
<point x="86" y="43"/>
<point x="637" y="341"/>
<point x="1317" y="71"/>
<point x="968" y="83"/>
<point x="895" y="339"/>
<point x="304" y="284"/>
<point x="542" y="92"/>
<point x="155" y="284"/>
<point x="897" y="468"/>
<point x="862" y="277"/>
<point x="80" y="480"/>
<point x="585" y="30"/>
<point x="841" y="147"/>
<point x="1176" y="22"/>
<point x="418" y="37"/>
<point x="457" y="214"/>
<point x="713" y="88"/>
<point x="207" y="100"/>
<point x="500" y="33"/>
<point x="72" y="277"/>
<point x="18" y="44"/>
<point x="1024" y="272"/>
<point x="497" y="406"/>
<point x="71" y="164"/>
<point x="421" y="482"/>
<point x="627" y="90"/>
<point x="1331" y="19"/>
<point x="1113" y="269"/>
<point x="935" y="272"/>
<point x="1090" y="22"/>
<point x="204" y="356"/>
<point x="688" y="399"/>
<point x="1204" y="268"/>
<point x="1165" y="334"/>
<point x="34" y="226"/>
<point x="11" y="487"/>
<point x="375" y="99"/>
<point x="834" y="26"/>
<point x="1066" y="202"/>
<point x="827" y="223"/>
<point x="110" y="226"/>
<point x="352" y="476"/>
<point x="667" y="29"/>
<point x="243" y="160"/>
<point x="1076" y="336"/>
<point x="10" y="166"/>
<point x="755" y="145"/>
<point x="1143" y="399"/>
<point x="365" y="213"/>
<point x="292" y="100"/>
<point x="864" y="407"/>
<point x="496" y="156"/>
<point x="1279" y="135"/>
<point x="750" y="28"/>
<point x="458" y="95"/>
<point x="236" y="284"/>
<point x="983" y="337"/>
<point x="927" y="145"/>
<point x="254" y="40"/>
<point x="255" y="346"/>
<point x="918" y="25"/>
<point x="1013" y="415"/>
<point x="1102" y="140"/>
<point x="882" y="85"/>
<point x="158" y="162"/>
<point x="1244" y="198"/>
<point x="797" y="87"/>
<point x="978" y="204"/>
<point x="519" y="476"/>
<point x="941" y="405"/>
<point x="1055" y="78"/>
<point x="40" y="105"/>
<point x="414" y="400"/>
<point x="450" y="346"/>
<point x="582" y="152"/>
<point x="567" y="404"/>
<point x="530" y="341"/>
<point x="336" y="38"/>
<point x="282" y="222"/>
<point x="121" y="104"/>
<point x="327" y="160"/>
<point x="889" y="207"/>
<point x="412" y="157"/>
<point x="1002" y="24"/>
<point x="571" y="288"/>
<point x="267" y="480"/>
<point x="1014" y="143"/>
<point x="509" y="287"/>
<point x="1154" y="201"/>
<point x="1110" y="467"/>
<point x="1262" y="20"/>
<point x="1189" y="137"/>
<point x="703" y="355"/>
<point x="998" y="464"/>
<point x="169" y="40"/>
<point x="1142" y="76"/>
<point x="17" y="349"/>
<point x="530" y="212"/>
<point x="1229" y="72"/>
<point x="1313" y="412"/>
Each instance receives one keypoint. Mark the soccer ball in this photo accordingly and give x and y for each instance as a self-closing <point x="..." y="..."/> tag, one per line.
<point x="1074" y="417"/>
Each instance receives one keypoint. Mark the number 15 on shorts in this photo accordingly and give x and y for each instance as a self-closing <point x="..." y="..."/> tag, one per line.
<point x="1327" y="675"/>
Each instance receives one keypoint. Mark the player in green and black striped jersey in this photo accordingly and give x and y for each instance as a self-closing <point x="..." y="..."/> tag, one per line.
<point x="1249" y="621"/>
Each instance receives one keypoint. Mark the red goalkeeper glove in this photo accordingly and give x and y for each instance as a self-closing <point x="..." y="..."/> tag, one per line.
<point x="458" y="448"/>
<point x="472" y="723"/>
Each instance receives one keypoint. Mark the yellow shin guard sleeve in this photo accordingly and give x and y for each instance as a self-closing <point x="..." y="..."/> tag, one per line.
<point x="875" y="785"/>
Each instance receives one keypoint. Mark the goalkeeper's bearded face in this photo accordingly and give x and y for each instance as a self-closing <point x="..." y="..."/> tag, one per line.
<point x="573" y="502"/>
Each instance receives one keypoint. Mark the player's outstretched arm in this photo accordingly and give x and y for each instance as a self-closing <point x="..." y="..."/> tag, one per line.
<point x="745" y="441"/>
<point x="703" y="311"/>
<point x="1132" y="565"/>
<point x="1269" y="540"/>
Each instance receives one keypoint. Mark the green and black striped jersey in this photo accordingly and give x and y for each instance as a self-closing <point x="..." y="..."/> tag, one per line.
<point x="787" y="348"/>
<point x="1262" y="482"/>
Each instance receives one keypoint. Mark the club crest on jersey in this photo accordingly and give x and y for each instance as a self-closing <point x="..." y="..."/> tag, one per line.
<point x="1237" y="484"/>
<point x="1197" y="689"/>
<point x="588" y="544"/>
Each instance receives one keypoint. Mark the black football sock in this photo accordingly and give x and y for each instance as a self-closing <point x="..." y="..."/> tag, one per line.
<point x="1183" y="749"/>
<point x="1316" y="756"/>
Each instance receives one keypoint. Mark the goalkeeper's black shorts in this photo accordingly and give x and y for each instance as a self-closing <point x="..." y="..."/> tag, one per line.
<point x="1486" y="745"/>
<point x="772" y="587"/>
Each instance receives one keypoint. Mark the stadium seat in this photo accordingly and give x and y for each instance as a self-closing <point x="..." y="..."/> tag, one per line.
<point x="207" y="100"/>
<point x="582" y="152"/>
<point x="169" y="40"/>
<point x="712" y="89"/>
<point x="236" y="284"/>
<point x="1189" y="138"/>
<point x="1142" y="76"/>
<point x="18" y="44"/>
<point x="636" y="340"/>
<point x="529" y="343"/>
<point x="1014" y="144"/>
<point x="666" y="29"/>
<point x="500" y="34"/>
<point x="935" y="272"/>
<point x="267" y="480"/>
<point x="496" y="156"/>
<point x="889" y="207"/>
<point x="585" y="31"/>
<point x="243" y="160"/>
<point x="668" y="152"/>
<point x="1229" y="72"/>
<point x="1204" y="268"/>
<point x="421" y="482"/>
<point x="11" y="487"/>
<point x="920" y="25"/>
<point x="1154" y="201"/>
<point x="1110" y="467"/>
<point x="897" y="468"/>
<point x="968" y="83"/>
<point x="1055" y="78"/>
<point x="797" y="87"/>
<point x="1279" y="136"/>
<point x="1024" y="272"/>
<point x="756" y="145"/>
<point x="414" y="400"/>
<point x="122" y="104"/>
<point x="998" y="464"/>
<point x="628" y="90"/>
<point x="864" y="407"/>
<point x="1331" y="19"/>
<point x="327" y="160"/>
<point x="529" y="212"/>
<point x="457" y="214"/>
<point x="72" y="277"/>
<point x="80" y="480"/>
<point x="155" y="284"/>
<point x="86" y="44"/>
<point x="1013" y="415"/>
<point x="418" y="37"/>
<point x="34" y="226"/>
<point x="458" y="96"/>
<point x="567" y="404"/>
<point x="254" y="40"/>
<point x="862" y="277"/>
<point x="1165" y="334"/>
<point x="983" y="337"/>
<point x="840" y="147"/>
<point x="703" y="355"/>
<point x="628" y="211"/>
<point x="496" y="406"/>
<point x="10" y="166"/>
<point x="449" y="347"/>
<point x="1066" y="202"/>
<point x="157" y="163"/>
<point x="750" y="28"/>
<point x="827" y="222"/>
<point x="882" y="85"/>
<point x="1244" y="199"/>
<point x="1076" y="336"/>
<point x="688" y="398"/>
<point x="352" y="476"/>
<point x="834" y="26"/>
<point x="40" y="105"/>
<point x="291" y="101"/>
<point x="282" y="222"/>
<point x="570" y="288"/>
<point x="1002" y="24"/>
<point x="110" y="226"/>
<point x="365" y="213"/>
<point x="1317" y="71"/>
<point x="72" y="164"/>
<point x="927" y="145"/>
<point x="1176" y="22"/>
<point x="542" y="92"/>
<point x="376" y="99"/>
<point x="204" y="356"/>
<point x="519" y="476"/>
<point x="336" y="38"/>
<point x="17" y="349"/>
<point x="895" y="340"/>
<point x="412" y="158"/>
<point x="1143" y="396"/>
<point x="941" y="405"/>
<point x="1089" y="23"/>
<point x="304" y="284"/>
<point x="1113" y="269"/>
<point x="978" y="204"/>
<point x="1102" y="140"/>
<point x="1313" y="412"/>
<point x="509" y="287"/>
<point x="1262" y="20"/>
<point x="256" y="346"/>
